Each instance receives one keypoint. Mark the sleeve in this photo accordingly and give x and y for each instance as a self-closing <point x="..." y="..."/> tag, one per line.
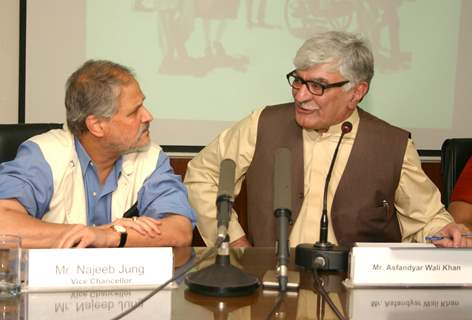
<point x="418" y="201"/>
<point x="163" y="193"/>
<point x="237" y="143"/>
<point x="28" y="179"/>
<point x="463" y="187"/>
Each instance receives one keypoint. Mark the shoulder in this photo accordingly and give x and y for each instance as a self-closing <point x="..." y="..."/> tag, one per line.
<point x="57" y="147"/>
<point x="369" y="120"/>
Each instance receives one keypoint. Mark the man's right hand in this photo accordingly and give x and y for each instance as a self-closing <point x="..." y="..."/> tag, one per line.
<point x="80" y="236"/>
<point x="242" y="242"/>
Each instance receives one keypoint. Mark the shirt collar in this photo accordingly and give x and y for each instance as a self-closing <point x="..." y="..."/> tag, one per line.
<point x="335" y="130"/>
<point x="85" y="160"/>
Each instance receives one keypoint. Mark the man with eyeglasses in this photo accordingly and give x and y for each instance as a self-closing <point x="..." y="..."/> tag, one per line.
<point x="377" y="192"/>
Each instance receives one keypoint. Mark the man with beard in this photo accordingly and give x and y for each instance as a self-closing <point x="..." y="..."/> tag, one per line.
<point x="378" y="191"/>
<point x="70" y="188"/>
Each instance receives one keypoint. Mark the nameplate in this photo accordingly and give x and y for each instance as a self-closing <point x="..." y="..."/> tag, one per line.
<point x="97" y="305"/>
<point x="98" y="268"/>
<point x="396" y="303"/>
<point x="409" y="265"/>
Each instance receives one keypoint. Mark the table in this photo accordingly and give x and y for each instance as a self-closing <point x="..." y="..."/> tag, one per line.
<point x="180" y="303"/>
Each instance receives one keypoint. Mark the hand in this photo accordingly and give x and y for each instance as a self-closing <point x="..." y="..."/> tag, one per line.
<point x="453" y="237"/>
<point x="80" y="236"/>
<point x="242" y="242"/>
<point x="145" y="226"/>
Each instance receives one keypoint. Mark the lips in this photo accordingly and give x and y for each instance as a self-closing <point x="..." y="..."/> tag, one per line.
<point x="305" y="108"/>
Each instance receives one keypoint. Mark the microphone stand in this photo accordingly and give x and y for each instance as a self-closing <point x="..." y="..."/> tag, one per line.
<point x="323" y="255"/>
<point x="282" y="279"/>
<point x="223" y="279"/>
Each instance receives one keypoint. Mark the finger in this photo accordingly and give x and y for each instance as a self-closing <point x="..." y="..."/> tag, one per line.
<point x="463" y="243"/>
<point x="83" y="243"/>
<point x="149" y="228"/>
<point x="130" y="225"/>
<point x="65" y="238"/>
<point x="444" y="243"/>
<point x="150" y="225"/>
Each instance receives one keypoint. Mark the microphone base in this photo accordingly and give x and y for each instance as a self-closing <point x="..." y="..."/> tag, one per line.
<point x="222" y="280"/>
<point x="312" y="256"/>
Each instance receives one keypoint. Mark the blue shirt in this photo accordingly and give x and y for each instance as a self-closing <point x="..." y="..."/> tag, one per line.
<point x="28" y="179"/>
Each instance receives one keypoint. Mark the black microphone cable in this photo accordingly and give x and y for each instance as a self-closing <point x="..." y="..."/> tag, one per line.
<point x="322" y="291"/>
<point x="277" y="303"/>
<point x="182" y="272"/>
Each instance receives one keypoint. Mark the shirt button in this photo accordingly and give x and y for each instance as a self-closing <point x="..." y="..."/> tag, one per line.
<point x="94" y="194"/>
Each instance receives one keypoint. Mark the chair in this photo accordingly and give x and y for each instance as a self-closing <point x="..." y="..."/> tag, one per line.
<point x="12" y="135"/>
<point x="454" y="155"/>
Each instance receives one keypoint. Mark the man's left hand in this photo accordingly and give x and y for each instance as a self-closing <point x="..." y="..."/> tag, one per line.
<point x="454" y="237"/>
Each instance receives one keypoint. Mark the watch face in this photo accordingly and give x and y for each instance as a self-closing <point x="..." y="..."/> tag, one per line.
<point x="119" y="228"/>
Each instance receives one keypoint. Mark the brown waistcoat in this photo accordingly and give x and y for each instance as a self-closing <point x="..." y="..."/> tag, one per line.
<point x="362" y="208"/>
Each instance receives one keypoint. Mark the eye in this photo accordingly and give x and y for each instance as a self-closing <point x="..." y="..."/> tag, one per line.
<point x="314" y="86"/>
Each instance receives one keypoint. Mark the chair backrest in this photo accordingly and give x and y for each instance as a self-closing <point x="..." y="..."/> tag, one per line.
<point x="12" y="135"/>
<point x="454" y="156"/>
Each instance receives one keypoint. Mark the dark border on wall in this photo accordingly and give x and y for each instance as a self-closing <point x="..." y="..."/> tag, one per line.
<point x="196" y="149"/>
<point x="430" y="153"/>
<point x="22" y="62"/>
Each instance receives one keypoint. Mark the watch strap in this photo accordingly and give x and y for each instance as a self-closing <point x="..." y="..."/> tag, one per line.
<point x="123" y="238"/>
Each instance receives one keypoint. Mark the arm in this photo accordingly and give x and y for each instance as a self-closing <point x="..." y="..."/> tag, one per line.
<point x="175" y="231"/>
<point x="460" y="206"/>
<point x="418" y="201"/>
<point x="163" y="199"/>
<point x="462" y="212"/>
<point x="237" y="143"/>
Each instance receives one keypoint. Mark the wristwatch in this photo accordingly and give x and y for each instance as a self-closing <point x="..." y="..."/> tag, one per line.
<point x="123" y="234"/>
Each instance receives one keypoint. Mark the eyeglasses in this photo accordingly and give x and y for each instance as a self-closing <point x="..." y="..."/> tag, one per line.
<point x="315" y="87"/>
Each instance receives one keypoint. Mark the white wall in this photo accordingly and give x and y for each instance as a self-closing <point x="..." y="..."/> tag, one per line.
<point x="9" y="39"/>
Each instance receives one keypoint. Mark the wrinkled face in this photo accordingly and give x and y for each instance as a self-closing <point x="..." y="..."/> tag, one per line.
<point x="128" y="129"/>
<point x="334" y="106"/>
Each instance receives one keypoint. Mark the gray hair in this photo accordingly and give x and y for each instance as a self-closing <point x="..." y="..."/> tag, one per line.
<point x="351" y="53"/>
<point x="94" y="89"/>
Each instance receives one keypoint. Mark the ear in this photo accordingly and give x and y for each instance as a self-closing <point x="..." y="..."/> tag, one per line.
<point x="360" y="91"/>
<point x="95" y="126"/>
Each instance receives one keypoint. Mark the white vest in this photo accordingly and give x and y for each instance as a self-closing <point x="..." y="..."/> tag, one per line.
<point x="68" y="204"/>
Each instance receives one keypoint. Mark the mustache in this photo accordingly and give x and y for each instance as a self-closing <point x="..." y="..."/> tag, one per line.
<point x="143" y="128"/>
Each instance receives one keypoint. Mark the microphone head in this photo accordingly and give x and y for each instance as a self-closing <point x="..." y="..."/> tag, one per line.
<point x="226" y="180"/>
<point x="282" y="179"/>
<point x="346" y="127"/>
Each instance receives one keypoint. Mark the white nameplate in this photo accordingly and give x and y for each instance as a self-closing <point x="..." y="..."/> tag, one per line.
<point x="98" y="268"/>
<point x="409" y="265"/>
<point x="97" y="305"/>
<point x="401" y="303"/>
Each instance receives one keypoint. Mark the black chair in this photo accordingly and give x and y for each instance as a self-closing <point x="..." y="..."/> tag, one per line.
<point x="12" y="135"/>
<point x="454" y="156"/>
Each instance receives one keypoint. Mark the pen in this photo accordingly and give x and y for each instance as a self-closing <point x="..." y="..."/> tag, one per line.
<point x="437" y="238"/>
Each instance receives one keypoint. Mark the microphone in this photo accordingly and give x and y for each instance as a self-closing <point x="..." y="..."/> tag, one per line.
<point x="282" y="211"/>
<point x="282" y="204"/>
<point x="225" y="197"/>
<point x="223" y="279"/>
<point x="323" y="255"/>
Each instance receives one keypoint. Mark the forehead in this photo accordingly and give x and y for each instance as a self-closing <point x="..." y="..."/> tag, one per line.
<point x="131" y="91"/>
<point x="324" y="71"/>
<point x="130" y="96"/>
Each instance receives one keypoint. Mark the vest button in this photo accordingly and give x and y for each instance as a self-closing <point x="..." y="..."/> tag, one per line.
<point x="300" y="195"/>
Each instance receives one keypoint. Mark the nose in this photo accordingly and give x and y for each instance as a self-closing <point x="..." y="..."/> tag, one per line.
<point x="146" y="115"/>
<point x="301" y="94"/>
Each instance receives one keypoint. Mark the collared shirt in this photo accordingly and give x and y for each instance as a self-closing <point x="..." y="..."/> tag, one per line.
<point x="28" y="178"/>
<point x="417" y="200"/>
